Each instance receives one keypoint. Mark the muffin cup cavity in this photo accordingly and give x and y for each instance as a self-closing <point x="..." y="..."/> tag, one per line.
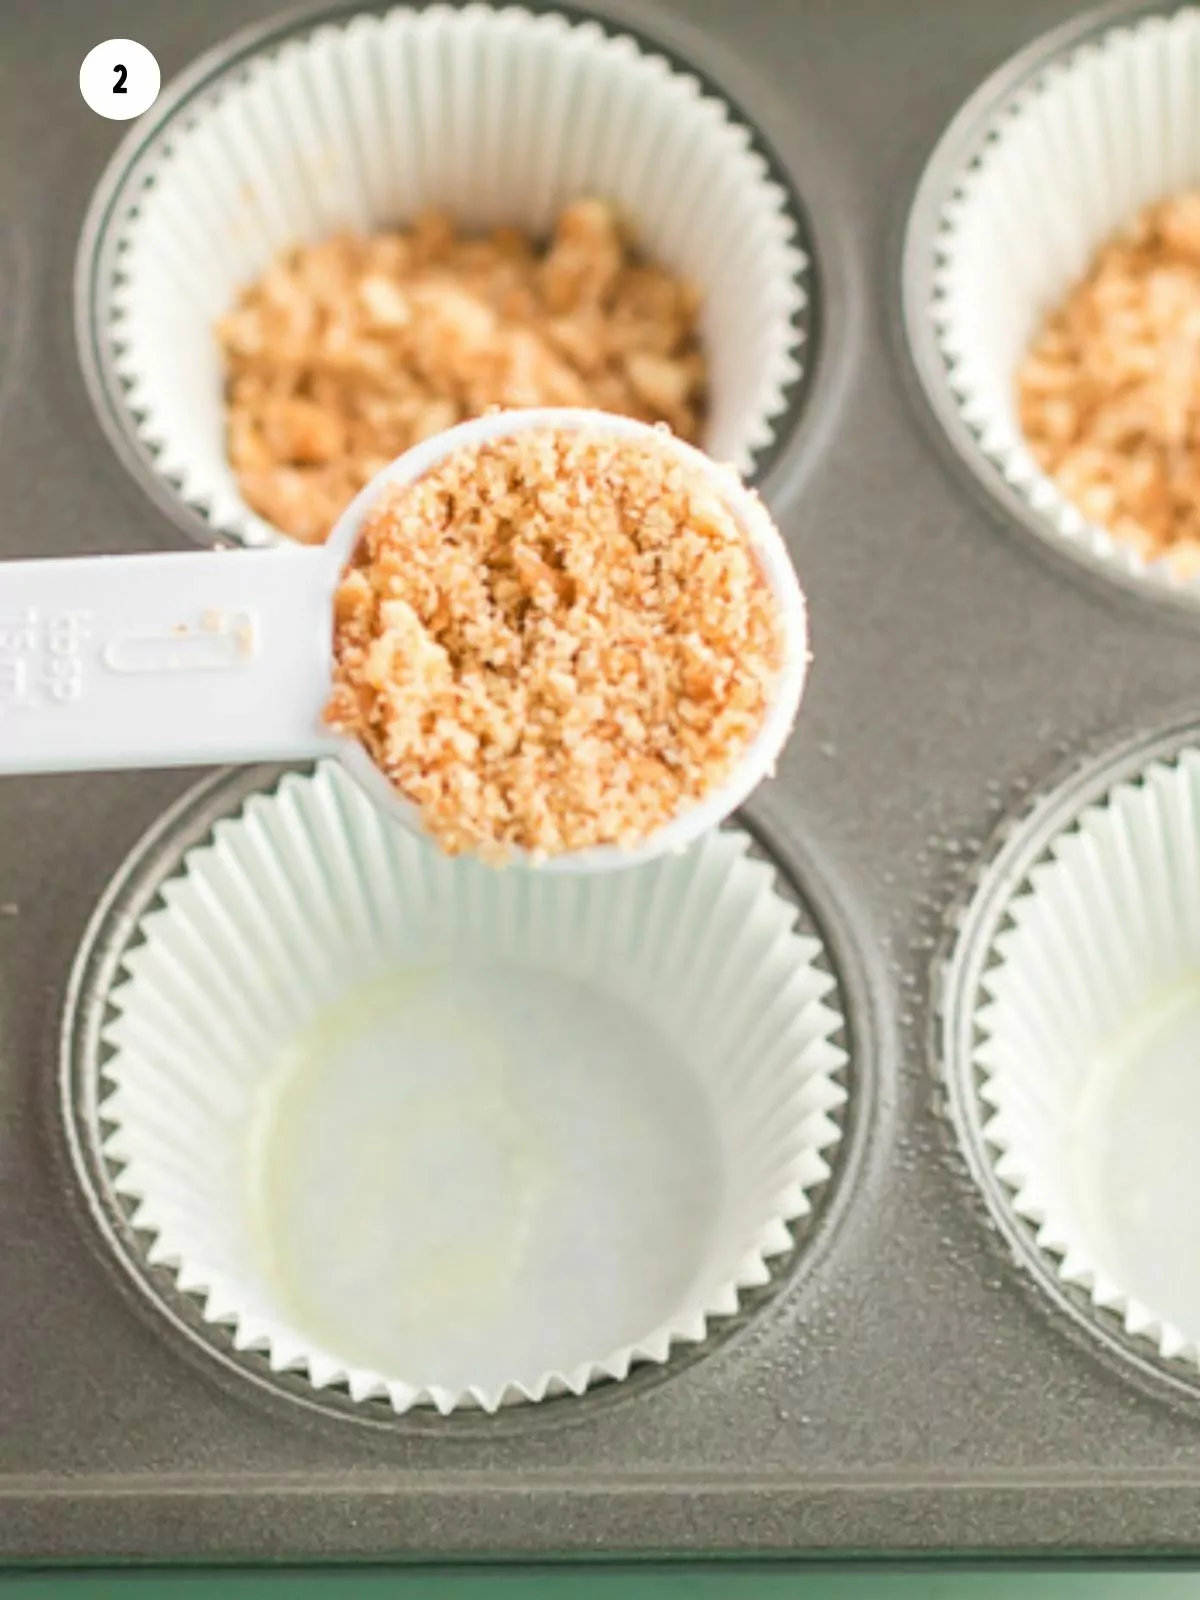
<point x="441" y="1137"/>
<point x="1052" y="157"/>
<point x="1078" y="1035"/>
<point x="496" y="116"/>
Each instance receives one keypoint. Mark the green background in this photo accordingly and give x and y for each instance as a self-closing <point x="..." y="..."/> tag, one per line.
<point x="733" y="1582"/>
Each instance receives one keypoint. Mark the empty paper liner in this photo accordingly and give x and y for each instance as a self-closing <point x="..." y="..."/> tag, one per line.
<point x="449" y="1136"/>
<point x="1088" y="1032"/>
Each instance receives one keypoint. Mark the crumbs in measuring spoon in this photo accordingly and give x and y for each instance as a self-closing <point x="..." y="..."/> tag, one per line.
<point x="554" y="641"/>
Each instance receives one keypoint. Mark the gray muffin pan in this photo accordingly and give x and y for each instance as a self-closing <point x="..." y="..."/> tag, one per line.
<point x="909" y="1385"/>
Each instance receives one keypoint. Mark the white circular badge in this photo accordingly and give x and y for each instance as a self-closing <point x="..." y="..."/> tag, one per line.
<point x="119" y="79"/>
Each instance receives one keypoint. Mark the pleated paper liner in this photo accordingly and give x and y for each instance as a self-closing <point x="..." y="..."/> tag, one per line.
<point x="1018" y="201"/>
<point x="1087" y="1038"/>
<point x="495" y="115"/>
<point x="449" y="1137"/>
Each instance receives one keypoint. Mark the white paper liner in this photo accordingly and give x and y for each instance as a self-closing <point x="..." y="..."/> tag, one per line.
<point x="1089" y="1054"/>
<point x="456" y="1137"/>
<point x="496" y="115"/>
<point x="1111" y="126"/>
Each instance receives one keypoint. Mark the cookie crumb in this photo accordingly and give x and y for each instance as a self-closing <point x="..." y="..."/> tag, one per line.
<point x="347" y="353"/>
<point x="1109" y="394"/>
<point x="554" y="641"/>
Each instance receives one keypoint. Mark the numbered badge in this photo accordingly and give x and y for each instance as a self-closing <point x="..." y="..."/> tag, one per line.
<point x="119" y="79"/>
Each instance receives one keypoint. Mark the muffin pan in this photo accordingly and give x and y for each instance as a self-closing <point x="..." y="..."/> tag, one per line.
<point x="915" y="1375"/>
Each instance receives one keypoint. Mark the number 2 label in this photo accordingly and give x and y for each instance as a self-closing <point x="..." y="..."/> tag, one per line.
<point x="119" y="79"/>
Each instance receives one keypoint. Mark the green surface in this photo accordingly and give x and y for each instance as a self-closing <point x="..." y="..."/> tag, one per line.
<point x="723" y="1583"/>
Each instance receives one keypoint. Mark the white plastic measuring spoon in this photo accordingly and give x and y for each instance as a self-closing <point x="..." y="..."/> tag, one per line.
<point x="212" y="658"/>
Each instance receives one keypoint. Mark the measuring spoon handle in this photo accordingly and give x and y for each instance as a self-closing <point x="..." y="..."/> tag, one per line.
<point x="170" y="660"/>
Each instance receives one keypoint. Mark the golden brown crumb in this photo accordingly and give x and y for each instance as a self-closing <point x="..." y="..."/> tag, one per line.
<point x="554" y="641"/>
<point x="347" y="353"/>
<point x="1109" y="394"/>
